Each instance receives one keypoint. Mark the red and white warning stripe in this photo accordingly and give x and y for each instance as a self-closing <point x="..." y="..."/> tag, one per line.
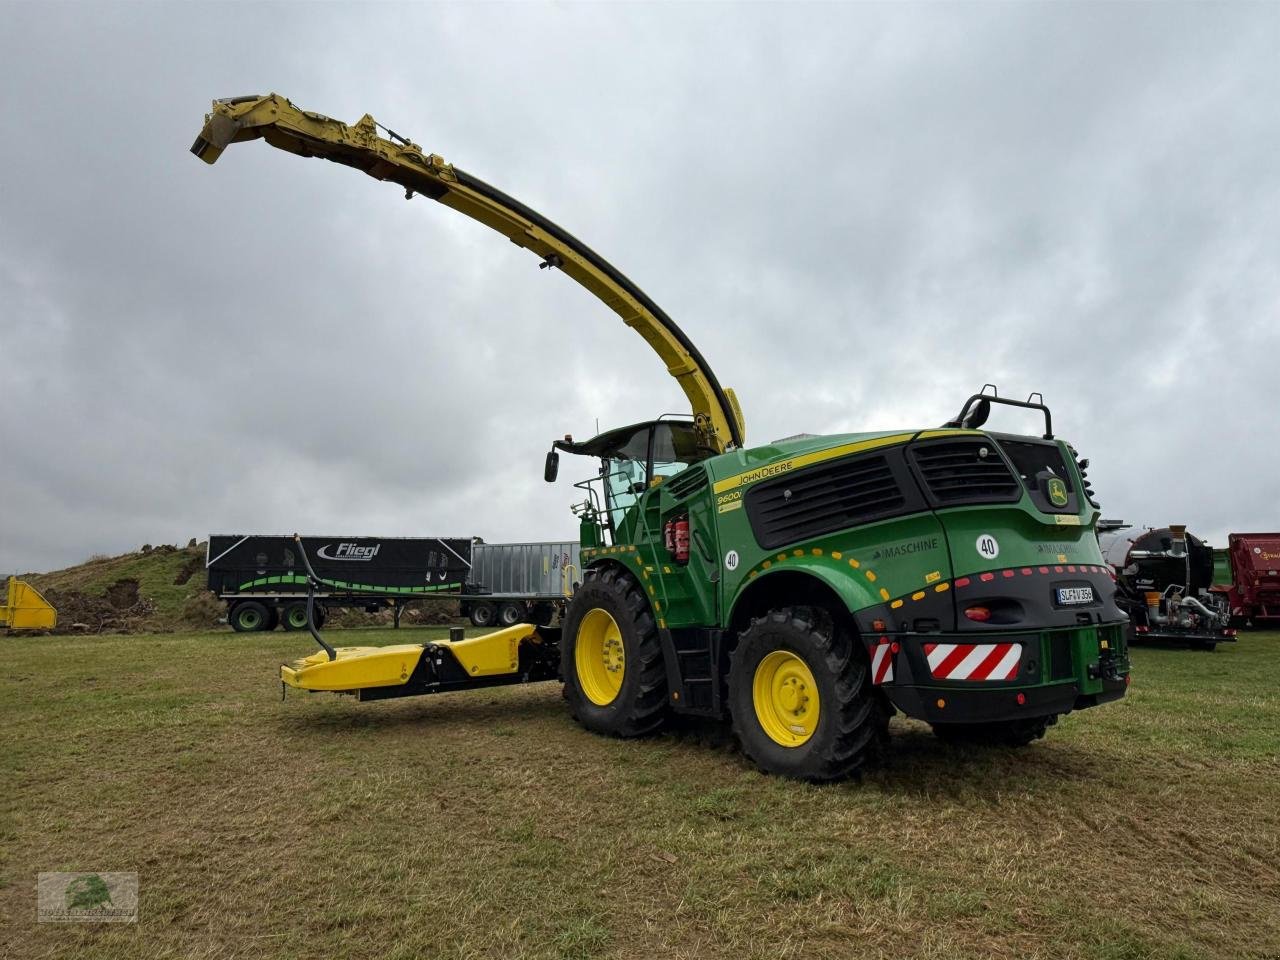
<point x="973" y="661"/>
<point x="882" y="662"/>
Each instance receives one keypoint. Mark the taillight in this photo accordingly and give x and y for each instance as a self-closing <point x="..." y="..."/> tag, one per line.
<point x="979" y="614"/>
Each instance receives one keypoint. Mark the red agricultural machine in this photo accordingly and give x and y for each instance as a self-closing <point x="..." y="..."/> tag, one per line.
<point x="1253" y="595"/>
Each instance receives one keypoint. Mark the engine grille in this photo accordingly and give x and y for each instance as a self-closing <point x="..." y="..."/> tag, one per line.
<point x="824" y="499"/>
<point x="965" y="471"/>
<point x="688" y="482"/>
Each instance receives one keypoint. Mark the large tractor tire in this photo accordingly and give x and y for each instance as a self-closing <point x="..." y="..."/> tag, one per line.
<point x="801" y="698"/>
<point x="511" y="613"/>
<point x="249" y="616"/>
<point x="610" y="657"/>
<point x="1005" y="733"/>
<point x="483" y="614"/>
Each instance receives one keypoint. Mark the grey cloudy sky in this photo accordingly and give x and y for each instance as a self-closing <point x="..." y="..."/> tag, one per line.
<point x="859" y="213"/>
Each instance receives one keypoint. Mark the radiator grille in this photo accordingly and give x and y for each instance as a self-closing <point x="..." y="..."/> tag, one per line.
<point x="824" y="499"/>
<point x="965" y="471"/>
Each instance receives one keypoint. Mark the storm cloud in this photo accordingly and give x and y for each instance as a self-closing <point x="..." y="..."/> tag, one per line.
<point x="860" y="214"/>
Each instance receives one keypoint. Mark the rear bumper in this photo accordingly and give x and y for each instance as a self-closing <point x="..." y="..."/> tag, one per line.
<point x="953" y="705"/>
<point x="949" y="678"/>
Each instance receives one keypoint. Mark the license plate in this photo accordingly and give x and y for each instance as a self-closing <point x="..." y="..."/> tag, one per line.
<point x="1069" y="595"/>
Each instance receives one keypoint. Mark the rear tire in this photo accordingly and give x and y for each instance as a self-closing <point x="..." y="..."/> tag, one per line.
<point x="1004" y="733"/>
<point x="615" y="680"/>
<point x="483" y="615"/>
<point x="248" y="617"/>
<point x="295" y="616"/>
<point x="1208" y="646"/>
<point x="801" y="698"/>
<point x="511" y="613"/>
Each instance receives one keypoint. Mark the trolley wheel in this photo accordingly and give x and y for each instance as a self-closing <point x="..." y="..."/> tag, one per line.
<point x="801" y="698"/>
<point x="483" y="614"/>
<point x="610" y="657"/>
<point x="511" y="613"/>
<point x="248" y="617"/>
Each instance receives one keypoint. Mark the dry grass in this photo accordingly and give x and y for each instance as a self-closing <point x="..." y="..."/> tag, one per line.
<point x="487" y="824"/>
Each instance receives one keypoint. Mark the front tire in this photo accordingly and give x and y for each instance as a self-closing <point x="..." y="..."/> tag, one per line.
<point x="611" y="658"/>
<point x="801" y="698"/>
<point x="248" y="617"/>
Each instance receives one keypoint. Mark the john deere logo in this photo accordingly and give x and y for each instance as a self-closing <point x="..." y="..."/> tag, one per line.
<point x="1057" y="492"/>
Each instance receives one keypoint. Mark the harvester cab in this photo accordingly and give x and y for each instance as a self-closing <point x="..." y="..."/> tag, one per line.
<point x="634" y="461"/>
<point x="804" y="589"/>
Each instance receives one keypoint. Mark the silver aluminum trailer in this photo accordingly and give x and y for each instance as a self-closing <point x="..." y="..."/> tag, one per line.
<point x="513" y="582"/>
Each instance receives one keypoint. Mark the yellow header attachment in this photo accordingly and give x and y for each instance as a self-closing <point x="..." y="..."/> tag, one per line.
<point x="24" y="608"/>
<point x="394" y="158"/>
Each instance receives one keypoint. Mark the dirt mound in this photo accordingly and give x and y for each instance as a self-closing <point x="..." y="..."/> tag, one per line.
<point x="120" y="609"/>
<point x="188" y="570"/>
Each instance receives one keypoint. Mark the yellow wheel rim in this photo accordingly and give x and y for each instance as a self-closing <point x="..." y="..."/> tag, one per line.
<point x="786" y="698"/>
<point x="599" y="657"/>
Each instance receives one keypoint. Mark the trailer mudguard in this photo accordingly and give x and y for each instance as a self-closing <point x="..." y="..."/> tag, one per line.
<point x="276" y="120"/>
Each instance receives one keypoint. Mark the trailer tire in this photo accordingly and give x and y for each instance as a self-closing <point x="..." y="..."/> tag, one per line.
<point x="273" y="618"/>
<point x="248" y="616"/>
<point x="543" y="614"/>
<point x="511" y="613"/>
<point x="615" y="680"/>
<point x="801" y="699"/>
<point x="1004" y="733"/>
<point x="483" y="614"/>
<point x="295" y="616"/>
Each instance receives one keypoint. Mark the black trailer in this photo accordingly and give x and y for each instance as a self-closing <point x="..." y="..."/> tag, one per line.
<point x="264" y="583"/>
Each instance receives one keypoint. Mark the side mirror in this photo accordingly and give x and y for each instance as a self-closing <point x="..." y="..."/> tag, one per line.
<point x="552" y="469"/>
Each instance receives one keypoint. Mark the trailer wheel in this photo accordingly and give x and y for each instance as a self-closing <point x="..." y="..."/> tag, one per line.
<point x="611" y="658"/>
<point x="1005" y="733"/>
<point x="543" y="614"/>
<point x="801" y="698"/>
<point x="511" y="613"/>
<point x="483" y="614"/>
<point x="295" y="616"/>
<point x="248" y="616"/>
<point x="273" y="618"/>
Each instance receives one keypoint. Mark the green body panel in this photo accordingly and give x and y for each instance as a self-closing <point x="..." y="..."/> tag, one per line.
<point x="1222" y="572"/>
<point x="887" y="564"/>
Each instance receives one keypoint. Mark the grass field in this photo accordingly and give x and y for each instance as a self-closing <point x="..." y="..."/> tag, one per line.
<point x="487" y="824"/>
